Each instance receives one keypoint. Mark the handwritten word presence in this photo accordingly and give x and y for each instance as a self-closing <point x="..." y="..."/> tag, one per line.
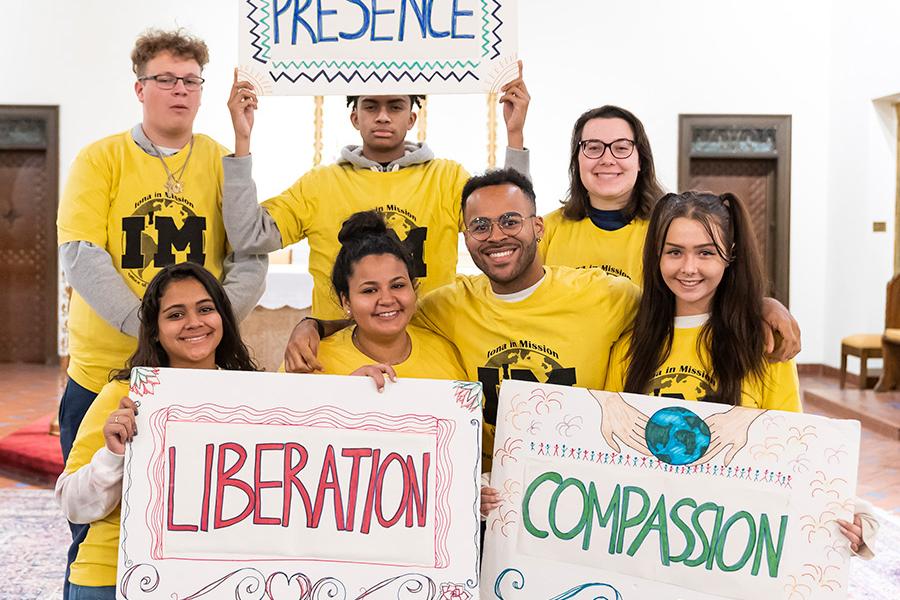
<point x="324" y="21"/>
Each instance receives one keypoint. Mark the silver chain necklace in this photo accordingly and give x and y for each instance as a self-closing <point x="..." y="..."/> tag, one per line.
<point x="174" y="184"/>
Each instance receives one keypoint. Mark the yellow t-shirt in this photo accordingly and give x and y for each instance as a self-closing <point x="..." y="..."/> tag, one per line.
<point x="98" y="554"/>
<point x="582" y="244"/>
<point x="421" y="203"/>
<point x="685" y="375"/>
<point x="562" y="333"/>
<point x="116" y="199"/>
<point x="432" y="357"/>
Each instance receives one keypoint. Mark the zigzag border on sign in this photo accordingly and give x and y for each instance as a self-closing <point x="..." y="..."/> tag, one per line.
<point x="484" y="28"/>
<point x="262" y="39"/>
<point x="356" y="75"/>
<point x="496" y="29"/>
<point x="355" y="64"/>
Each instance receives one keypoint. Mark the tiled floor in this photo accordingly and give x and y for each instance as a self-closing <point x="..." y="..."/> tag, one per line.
<point x="879" y="460"/>
<point x="28" y="392"/>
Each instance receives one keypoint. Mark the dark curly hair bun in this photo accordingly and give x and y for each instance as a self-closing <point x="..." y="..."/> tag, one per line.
<point x="361" y="225"/>
<point x="361" y="235"/>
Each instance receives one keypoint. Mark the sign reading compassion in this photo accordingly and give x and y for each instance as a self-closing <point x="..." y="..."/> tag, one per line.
<point x="315" y="478"/>
<point x="377" y="46"/>
<point x="619" y="495"/>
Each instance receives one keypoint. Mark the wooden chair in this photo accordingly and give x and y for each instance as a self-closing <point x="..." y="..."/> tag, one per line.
<point x="865" y="346"/>
<point x="890" y="340"/>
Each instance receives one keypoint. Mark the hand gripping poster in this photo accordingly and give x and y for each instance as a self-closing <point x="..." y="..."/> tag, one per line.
<point x="303" y="487"/>
<point x="628" y="497"/>
<point x="319" y="47"/>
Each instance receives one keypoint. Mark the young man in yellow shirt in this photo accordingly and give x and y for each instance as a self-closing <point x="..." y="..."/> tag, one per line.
<point x="419" y="194"/>
<point x="133" y="203"/>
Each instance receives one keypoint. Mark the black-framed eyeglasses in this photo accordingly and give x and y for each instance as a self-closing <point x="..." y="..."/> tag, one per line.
<point x="620" y="148"/>
<point x="510" y="224"/>
<point x="168" y="82"/>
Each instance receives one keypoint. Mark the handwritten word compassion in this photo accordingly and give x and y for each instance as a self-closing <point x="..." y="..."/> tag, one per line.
<point x="631" y="508"/>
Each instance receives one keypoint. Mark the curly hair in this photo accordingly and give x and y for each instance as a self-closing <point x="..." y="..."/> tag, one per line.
<point x="178" y="43"/>
<point x="363" y="234"/>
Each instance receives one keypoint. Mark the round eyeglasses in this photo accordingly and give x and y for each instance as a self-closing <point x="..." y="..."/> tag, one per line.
<point x="480" y="228"/>
<point x="168" y="82"/>
<point x="620" y="148"/>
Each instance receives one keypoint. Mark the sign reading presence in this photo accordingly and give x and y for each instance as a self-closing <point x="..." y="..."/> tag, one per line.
<point x="312" y="484"/>
<point x="624" y="496"/>
<point x="318" y="47"/>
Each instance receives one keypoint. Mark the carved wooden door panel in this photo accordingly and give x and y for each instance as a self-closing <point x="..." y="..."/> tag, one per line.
<point x="28" y="199"/>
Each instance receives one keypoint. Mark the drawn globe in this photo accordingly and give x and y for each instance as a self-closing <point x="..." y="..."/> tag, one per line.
<point x="162" y="207"/>
<point x="523" y="358"/>
<point x="677" y="436"/>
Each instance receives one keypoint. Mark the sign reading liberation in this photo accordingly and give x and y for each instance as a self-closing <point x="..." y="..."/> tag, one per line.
<point x="318" y="47"/>
<point x="258" y="485"/>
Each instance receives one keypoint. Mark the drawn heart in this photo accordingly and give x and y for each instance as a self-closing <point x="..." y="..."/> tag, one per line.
<point x="281" y="587"/>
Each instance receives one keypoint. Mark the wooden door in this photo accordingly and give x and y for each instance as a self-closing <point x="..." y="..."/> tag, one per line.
<point x="748" y="155"/>
<point x="28" y="265"/>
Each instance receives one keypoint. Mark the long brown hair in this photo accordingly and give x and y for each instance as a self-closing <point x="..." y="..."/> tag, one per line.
<point x="647" y="189"/>
<point x="734" y="332"/>
<point x="231" y="353"/>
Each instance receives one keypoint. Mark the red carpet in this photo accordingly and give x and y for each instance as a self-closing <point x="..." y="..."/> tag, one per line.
<point x="32" y="450"/>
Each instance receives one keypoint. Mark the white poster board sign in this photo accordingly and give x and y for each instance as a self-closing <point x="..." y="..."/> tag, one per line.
<point x="628" y="497"/>
<point x="319" y="47"/>
<point x="259" y="485"/>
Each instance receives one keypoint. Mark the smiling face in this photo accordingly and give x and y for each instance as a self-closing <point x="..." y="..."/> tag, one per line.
<point x="190" y="327"/>
<point x="382" y="122"/>
<point x="381" y="297"/>
<point x="691" y="266"/>
<point x="169" y="114"/>
<point x="509" y="261"/>
<point x="609" y="180"/>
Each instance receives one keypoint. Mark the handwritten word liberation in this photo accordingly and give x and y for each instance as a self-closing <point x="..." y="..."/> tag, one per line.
<point x="379" y="21"/>
<point x="222" y="466"/>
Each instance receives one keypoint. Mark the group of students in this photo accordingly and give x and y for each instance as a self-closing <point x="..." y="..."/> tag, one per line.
<point x="607" y="292"/>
